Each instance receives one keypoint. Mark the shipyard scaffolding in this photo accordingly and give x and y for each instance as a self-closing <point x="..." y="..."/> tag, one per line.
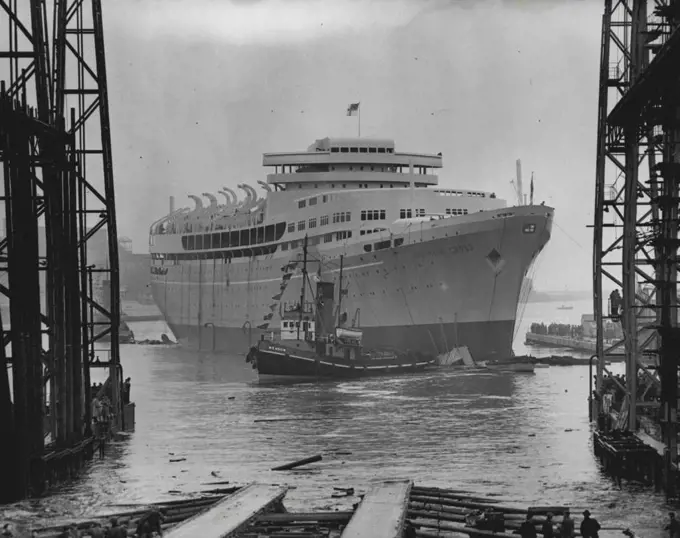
<point x="636" y="226"/>
<point x="57" y="192"/>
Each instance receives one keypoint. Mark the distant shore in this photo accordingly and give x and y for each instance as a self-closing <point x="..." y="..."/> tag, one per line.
<point x="558" y="296"/>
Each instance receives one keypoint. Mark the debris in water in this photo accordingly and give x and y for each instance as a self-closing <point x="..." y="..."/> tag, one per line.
<point x="298" y="463"/>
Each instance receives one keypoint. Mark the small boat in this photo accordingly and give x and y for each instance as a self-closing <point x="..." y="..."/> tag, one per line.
<point x="565" y="307"/>
<point x="313" y="345"/>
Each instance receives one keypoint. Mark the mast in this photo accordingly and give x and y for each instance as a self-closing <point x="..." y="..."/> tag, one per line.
<point x="340" y="294"/>
<point x="304" y="284"/>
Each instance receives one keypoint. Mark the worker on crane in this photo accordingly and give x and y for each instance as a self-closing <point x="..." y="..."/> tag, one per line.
<point x="615" y="305"/>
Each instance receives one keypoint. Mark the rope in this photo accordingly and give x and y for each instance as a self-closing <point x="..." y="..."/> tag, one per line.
<point x="525" y="300"/>
<point x="570" y="237"/>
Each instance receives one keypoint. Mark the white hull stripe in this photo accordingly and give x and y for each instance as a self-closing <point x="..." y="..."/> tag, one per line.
<point x="348" y="366"/>
<point x="262" y="281"/>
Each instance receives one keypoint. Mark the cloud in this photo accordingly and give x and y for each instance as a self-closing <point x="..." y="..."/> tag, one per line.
<point x="263" y="21"/>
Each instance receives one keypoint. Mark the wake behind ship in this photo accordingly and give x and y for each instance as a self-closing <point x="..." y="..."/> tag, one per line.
<point x="425" y="268"/>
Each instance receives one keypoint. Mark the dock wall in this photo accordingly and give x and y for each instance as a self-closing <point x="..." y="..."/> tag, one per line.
<point x="560" y="341"/>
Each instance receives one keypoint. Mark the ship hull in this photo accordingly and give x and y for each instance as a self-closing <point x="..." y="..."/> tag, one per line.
<point x="446" y="286"/>
<point x="483" y="339"/>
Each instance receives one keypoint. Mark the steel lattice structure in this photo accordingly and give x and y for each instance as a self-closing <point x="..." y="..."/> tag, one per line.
<point x="636" y="207"/>
<point x="58" y="192"/>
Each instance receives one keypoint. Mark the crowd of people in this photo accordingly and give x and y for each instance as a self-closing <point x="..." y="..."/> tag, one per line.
<point x="101" y="392"/>
<point x="611" y="330"/>
<point x="558" y="329"/>
<point x="103" y="411"/>
<point x="589" y="528"/>
<point x="485" y="520"/>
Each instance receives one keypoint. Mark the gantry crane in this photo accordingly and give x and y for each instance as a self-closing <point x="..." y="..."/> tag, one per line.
<point x="57" y="193"/>
<point x="636" y="210"/>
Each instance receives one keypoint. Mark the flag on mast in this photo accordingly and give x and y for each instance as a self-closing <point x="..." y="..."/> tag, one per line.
<point x="531" y="191"/>
<point x="353" y="109"/>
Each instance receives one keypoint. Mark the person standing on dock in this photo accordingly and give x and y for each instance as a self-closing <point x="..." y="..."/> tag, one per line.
<point x="673" y="526"/>
<point x="527" y="529"/>
<point x="97" y="531"/>
<point x="567" y="527"/>
<point x="150" y="523"/>
<point x="547" y="527"/>
<point x="126" y="391"/>
<point x="70" y="532"/>
<point x="116" y="530"/>
<point x="96" y="409"/>
<point x="589" y="526"/>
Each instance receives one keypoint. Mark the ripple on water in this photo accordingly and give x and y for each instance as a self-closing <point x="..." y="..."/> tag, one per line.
<point x="524" y="437"/>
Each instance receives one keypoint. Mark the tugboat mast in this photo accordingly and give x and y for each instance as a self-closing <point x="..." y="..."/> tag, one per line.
<point x="304" y="284"/>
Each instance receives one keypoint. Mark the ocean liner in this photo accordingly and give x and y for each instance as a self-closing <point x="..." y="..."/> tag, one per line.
<point x="425" y="268"/>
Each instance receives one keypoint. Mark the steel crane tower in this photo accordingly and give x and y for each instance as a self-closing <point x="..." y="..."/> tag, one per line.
<point x="636" y="210"/>
<point x="57" y="193"/>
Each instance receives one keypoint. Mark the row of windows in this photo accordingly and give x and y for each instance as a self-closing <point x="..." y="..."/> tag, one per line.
<point x="238" y="238"/>
<point x="318" y="239"/>
<point x="353" y="184"/>
<point x="382" y="245"/>
<point x="365" y="185"/>
<point x="374" y="230"/>
<point x="342" y="216"/>
<point x="225" y="255"/>
<point x="312" y="201"/>
<point x="456" y="211"/>
<point x="450" y="192"/>
<point x="228" y="255"/>
<point x="323" y="221"/>
<point x="408" y="213"/>
<point x="373" y="214"/>
<point x="362" y="150"/>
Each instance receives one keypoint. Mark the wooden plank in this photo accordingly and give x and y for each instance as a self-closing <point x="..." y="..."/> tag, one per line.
<point x="659" y="446"/>
<point x="230" y="515"/>
<point x="289" y="517"/>
<point x="382" y="512"/>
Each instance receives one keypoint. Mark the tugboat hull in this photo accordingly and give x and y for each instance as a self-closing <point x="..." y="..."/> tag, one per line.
<point x="279" y="363"/>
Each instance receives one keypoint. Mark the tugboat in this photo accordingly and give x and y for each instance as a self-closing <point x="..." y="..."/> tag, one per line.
<point x="312" y="346"/>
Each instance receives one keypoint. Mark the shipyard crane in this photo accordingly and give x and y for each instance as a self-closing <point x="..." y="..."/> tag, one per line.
<point x="636" y="213"/>
<point x="55" y="146"/>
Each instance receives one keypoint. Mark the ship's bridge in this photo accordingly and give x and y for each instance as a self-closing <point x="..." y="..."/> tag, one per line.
<point x="351" y="160"/>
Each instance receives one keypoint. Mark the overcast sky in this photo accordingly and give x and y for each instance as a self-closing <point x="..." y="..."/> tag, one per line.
<point x="199" y="89"/>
